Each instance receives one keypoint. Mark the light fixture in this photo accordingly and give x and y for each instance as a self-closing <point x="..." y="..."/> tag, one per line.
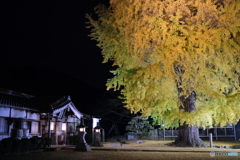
<point x="81" y="126"/>
<point x="64" y="126"/>
<point x="52" y="126"/>
<point x="97" y="136"/>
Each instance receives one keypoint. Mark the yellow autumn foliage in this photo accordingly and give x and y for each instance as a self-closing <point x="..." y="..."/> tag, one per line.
<point x="159" y="46"/>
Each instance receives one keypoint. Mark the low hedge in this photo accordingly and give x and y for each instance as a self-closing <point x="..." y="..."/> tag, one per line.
<point x="7" y="146"/>
<point x="48" y="142"/>
<point x="15" y="146"/>
<point x="26" y="143"/>
<point x="41" y="143"/>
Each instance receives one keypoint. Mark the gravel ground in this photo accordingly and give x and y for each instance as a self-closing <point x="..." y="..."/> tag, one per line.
<point x="148" y="150"/>
<point x="69" y="154"/>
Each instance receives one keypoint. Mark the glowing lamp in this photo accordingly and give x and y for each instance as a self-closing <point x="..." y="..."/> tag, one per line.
<point x="52" y="126"/>
<point x="81" y="127"/>
<point x="97" y="128"/>
<point x="64" y="126"/>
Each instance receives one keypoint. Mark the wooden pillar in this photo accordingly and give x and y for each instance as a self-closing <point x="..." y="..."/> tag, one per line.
<point x="103" y="135"/>
<point x="55" y="133"/>
<point x="49" y="125"/>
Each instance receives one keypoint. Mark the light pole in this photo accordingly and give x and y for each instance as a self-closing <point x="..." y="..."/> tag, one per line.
<point x="97" y="137"/>
<point x="82" y="144"/>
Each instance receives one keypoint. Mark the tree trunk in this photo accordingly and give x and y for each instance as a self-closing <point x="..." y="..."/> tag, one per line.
<point x="188" y="136"/>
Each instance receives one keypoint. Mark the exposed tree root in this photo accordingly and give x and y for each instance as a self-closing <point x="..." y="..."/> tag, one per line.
<point x="188" y="136"/>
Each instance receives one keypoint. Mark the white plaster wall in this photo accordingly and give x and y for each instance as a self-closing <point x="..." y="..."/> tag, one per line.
<point x="18" y="113"/>
<point x="4" y="112"/>
<point x="7" y="135"/>
<point x="95" y="121"/>
<point x="35" y="116"/>
<point x="58" y="126"/>
<point x="34" y="127"/>
<point x="3" y="136"/>
<point x="71" y="119"/>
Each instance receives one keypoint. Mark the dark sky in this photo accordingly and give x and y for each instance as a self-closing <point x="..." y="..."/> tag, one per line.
<point x="52" y="34"/>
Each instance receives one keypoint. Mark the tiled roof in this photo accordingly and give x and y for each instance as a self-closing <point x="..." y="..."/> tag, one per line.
<point x="42" y="104"/>
<point x="16" y="99"/>
<point x="61" y="102"/>
<point x="45" y="104"/>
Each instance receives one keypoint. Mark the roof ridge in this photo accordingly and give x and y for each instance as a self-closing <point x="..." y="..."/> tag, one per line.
<point x="15" y="93"/>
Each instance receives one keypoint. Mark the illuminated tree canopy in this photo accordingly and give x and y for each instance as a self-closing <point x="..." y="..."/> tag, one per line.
<point x="163" y="46"/>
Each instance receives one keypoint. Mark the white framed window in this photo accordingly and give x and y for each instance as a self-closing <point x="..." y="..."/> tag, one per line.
<point x="34" y="127"/>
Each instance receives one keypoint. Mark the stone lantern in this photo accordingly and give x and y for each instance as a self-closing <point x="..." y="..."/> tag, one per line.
<point x="97" y="136"/>
<point x="82" y="144"/>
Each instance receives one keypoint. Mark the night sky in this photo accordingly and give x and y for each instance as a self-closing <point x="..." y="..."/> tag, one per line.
<point x="52" y="34"/>
<point x="46" y="51"/>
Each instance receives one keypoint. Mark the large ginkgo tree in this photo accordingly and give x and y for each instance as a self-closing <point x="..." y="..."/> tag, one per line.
<point x="177" y="61"/>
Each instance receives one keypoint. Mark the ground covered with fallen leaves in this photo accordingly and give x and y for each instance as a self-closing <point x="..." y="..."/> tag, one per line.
<point x="69" y="154"/>
<point x="130" y="150"/>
